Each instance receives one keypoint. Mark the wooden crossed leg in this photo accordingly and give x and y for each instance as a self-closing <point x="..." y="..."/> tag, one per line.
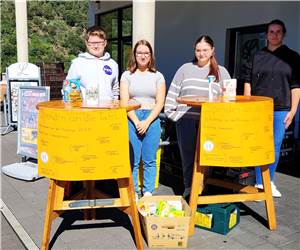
<point x="56" y="205"/>
<point x="246" y="193"/>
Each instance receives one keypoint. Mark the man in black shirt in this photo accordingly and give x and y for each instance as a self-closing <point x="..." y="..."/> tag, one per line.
<point x="275" y="73"/>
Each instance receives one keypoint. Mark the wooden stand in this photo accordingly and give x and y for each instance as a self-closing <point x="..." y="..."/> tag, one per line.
<point x="200" y="171"/>
<point x="88" y="200"/>
<point x="245" y="193"/>
<point x="85" y="133"/>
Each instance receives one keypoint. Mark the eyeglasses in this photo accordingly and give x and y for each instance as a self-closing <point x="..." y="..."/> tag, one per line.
<point x="203" y="51"/>
<point x="146" y="54"/>
<point x="96" y="43"/>
<point x="275" y="33"/>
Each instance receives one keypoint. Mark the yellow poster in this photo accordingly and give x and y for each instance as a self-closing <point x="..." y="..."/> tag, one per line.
<point x="83" y="144"/>
<point x="237" y="134"/>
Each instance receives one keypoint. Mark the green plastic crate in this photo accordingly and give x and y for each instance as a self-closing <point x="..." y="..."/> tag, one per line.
<point x="219" y="218"/>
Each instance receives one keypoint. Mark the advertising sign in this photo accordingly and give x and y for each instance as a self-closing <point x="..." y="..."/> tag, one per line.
<point x="237" y="134"/>
<point x="13" y="96"/>
<point x="29" y="97"/>
<point x="83" y="144"/>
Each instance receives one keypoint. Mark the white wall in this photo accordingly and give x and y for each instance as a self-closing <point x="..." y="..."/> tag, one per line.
<point x="179" y="24"/>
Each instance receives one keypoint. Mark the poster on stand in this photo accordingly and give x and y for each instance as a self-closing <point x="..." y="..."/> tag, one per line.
<point x="13" y="93"/>
<point x="29" y="97"/>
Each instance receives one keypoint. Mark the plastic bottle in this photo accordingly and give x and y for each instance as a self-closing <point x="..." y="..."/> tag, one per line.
<point x="211" y="79"/>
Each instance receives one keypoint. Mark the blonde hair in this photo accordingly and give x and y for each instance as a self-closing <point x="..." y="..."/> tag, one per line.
<point x="95" y="31"/>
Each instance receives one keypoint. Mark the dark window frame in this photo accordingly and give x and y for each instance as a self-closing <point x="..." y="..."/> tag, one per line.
<point x="230" y="51"/>
<point x="120" y="40"/>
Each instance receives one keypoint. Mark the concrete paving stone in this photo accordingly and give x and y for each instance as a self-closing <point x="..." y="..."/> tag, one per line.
<point x="33" y="225"/>
<point x="225" y="243"/>
<point x="7" y="190"/>
<point x="289" y="199"/>
<point x="63" y="246"/>
<point x="9" y="239"/>
<point x="237" y="230"/>
<point x="25" y="197"/>
<point x="257" y="207"/>
<point x="107" y="232"/>
<point x="93" y="229"/>
<point x="267" y="246"/>
<point x="27" y="193"/>
<point x="234" y="245"/>
<point x="215" y="236"/>
<point x="285" y="229"/>
<point x="201" y="234"/>
<point x="20" y="208"/>
<point x="275" y="238"/>
<point x="287" y="207"/>
<point x="249" y="240"/>
<point x="246" y="220"/>
<point x="292" y="245"/>
<point x="112" y="244"/>
<point x="293" y="239"/>
<point x="257" y="231"/>
<point x="59" y="244"/>
<point x="294" y="226"/>
<point x="289" y="221"/>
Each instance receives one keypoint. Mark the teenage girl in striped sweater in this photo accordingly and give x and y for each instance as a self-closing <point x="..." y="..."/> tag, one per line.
<point x="191" y="80"/>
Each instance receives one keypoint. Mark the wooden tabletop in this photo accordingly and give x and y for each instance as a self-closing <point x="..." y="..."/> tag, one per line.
<point x="115" y="104"/>
<point x="197" y="101"/>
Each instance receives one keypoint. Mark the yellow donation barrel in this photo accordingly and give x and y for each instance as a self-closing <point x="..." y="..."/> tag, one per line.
<point x="83" y="144"/>
<point x="237" y="133"/>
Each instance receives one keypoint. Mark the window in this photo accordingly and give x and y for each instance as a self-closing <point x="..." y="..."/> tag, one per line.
<point x="118" y="25"/>
<point x="241" y="45"/>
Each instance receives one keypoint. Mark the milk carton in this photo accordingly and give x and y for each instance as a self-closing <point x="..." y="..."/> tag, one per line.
<point x="229" y="88"/>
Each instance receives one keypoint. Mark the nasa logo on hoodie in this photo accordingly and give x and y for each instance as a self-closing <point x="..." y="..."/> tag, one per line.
<point x="107" y="70"/>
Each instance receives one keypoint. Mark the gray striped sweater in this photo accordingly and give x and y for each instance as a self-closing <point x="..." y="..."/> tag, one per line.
<point x="190" y="80"/>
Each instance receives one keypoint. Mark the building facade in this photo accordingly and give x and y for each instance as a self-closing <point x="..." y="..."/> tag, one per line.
<point x="179" y="23"/>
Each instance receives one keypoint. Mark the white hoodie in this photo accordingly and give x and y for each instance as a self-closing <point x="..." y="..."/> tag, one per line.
<point x="91" y="71"/>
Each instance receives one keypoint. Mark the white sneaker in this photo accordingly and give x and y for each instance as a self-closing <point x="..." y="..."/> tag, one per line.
<point x="260" y="186"/>
<point x="275" y="192"/>
<point x="147" y="194"/>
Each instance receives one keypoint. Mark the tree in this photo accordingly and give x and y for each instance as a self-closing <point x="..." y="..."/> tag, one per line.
<point x="55" y="31"/>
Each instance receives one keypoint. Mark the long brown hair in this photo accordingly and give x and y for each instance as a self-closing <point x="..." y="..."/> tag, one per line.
<point x="132" y="64"/>
<point x="213" y="67"/>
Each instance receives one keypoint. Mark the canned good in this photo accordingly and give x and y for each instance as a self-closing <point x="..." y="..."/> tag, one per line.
<point x="211" y="78"/>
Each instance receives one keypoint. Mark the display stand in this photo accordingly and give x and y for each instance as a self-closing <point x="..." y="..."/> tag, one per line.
<point x="18" y="74"/>
<point x="79" y="143"/>
<point x="28" y="98"/>
<point x="7" y="128"/>
<point x="236" y="132"/>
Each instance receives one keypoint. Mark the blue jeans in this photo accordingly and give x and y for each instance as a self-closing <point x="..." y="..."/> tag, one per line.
<point x="144" y="146"/>
<point x="279" y="130"/>
<point x="186" y="130"/>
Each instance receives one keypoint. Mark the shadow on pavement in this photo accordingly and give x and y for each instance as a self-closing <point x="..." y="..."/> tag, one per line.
<point x="117" y="217"/>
